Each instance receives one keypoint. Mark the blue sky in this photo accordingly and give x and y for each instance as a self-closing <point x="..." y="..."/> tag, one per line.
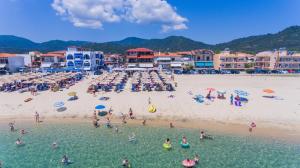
<point x="209" y="21"/>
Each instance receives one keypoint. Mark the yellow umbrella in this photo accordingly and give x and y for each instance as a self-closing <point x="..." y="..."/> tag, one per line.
<point x="72" y="94"/>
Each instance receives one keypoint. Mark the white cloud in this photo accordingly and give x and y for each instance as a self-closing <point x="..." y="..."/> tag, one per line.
<point x="93" y="13"/>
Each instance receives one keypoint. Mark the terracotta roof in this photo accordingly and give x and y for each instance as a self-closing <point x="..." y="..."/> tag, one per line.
<point x="57" y="52"/>
<point x="5" y="55"/>
<point x="141" y="56"/>
<point x="140" y="50"/>
<point x="167" y="55"/>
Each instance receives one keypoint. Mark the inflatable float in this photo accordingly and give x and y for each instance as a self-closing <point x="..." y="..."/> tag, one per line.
<point x="185" y="145"/>
<point x="188" y="163"/>
<point x="167" y="146"/>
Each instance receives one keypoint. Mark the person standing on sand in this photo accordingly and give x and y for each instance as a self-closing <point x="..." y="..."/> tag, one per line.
<point x="231" y="99"/>
<point x="37" y="117"/>
<point x="149" y="100"/>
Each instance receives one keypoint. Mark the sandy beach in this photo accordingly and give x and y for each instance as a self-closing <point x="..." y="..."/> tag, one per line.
<point x="278" y="117"/>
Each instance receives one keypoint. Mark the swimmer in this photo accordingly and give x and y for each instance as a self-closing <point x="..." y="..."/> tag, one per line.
<point x="132" y="138"/>
<point x="54" y="145"/>
<point x="12" y="126"/>
<point x="125" y="163"/>
<point x="116" y="130"/>
<point x="171" y="125"/>
<point x="196" y="159"/>
<point x="168" y="141"/>
<point x="19" y="142"/>
<point x="184" y="140"/>
<point x="202" y="135"/>
<point x="65" y="160"/>
<point x="22" y="132"/>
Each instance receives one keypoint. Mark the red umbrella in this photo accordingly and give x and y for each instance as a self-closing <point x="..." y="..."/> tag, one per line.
<point x="211" y="89"/>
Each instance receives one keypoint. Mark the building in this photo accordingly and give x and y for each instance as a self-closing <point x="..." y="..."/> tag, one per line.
<point x="277" y="60"/>
<point x="266" y="60"/>
<point x="168" y="60"/>
<point x="140" y="58"/>
<point x="288" y="60"/>
<point x="203" y="59"/>
<point x="54" y="59"/>
<point x="80" y="59"/>
<point x="227" y="60"/>
<point x="114" y="60"/>
<point x="35" y="57"/>
<point x="11" y="62"/>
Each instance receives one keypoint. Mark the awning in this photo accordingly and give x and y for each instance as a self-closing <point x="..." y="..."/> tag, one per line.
<point x="131" y="65"/>
<point x="146" y="65"/>
<point x="46" y="65"/>
<point x="176" y="65"/>
<point x="163" y="59"/>
<point x="3" y="65"/>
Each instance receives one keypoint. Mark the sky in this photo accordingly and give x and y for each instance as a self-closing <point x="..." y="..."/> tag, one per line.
<point x="208" y="21"/>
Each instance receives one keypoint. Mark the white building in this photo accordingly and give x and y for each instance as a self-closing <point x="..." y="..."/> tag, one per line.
<point x="11" y="62"/>
<point x="77" y="58"/>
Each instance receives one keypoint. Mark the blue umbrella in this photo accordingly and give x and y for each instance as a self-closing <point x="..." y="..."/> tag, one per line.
<point x="241" y="93"/>
<point x="59" y="104"/>
<point x="99" y="107"/>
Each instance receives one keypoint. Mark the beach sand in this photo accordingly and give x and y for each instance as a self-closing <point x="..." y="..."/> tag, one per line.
<point x="279" y="118"/>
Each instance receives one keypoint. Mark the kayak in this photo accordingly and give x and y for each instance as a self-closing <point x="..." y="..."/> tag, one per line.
<point x="185" y="145"/>
<point x="188" y="163"/>
<point x="167" y="146"/>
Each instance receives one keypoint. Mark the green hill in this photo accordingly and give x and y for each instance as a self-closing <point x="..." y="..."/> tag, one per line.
<point x="288" y="38"/>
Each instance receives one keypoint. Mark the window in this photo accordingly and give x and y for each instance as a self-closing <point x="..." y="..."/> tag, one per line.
<point x="86" y="56"/>
<point x="97" y="62"/>
<point x="86" y="64"/>
<point x="70" y="57"/>
<point x="78" y="56"/>
<point x="70" y="64"/>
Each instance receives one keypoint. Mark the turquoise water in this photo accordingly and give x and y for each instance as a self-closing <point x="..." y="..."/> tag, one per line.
<point x="89" y="147"/>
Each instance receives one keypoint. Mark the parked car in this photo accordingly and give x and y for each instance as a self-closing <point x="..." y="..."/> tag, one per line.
<point x="98" y="72"/>
<point x="3" y="72"/>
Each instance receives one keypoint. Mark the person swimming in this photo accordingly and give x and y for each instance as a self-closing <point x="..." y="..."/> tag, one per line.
<point x="116" y="130"/>
<point x="19" y="142"/>
<point x="132" y="138"/>
<point x="11" y="126"/>
<point x="65" y="160"/>
<point x="125" y="163"/>
<point x="168" y="141"/>
<point x="196" y="159"/>
<point x="184" y="140"/>
<point x="202" y="135"/>
<point x="54" y="145"/>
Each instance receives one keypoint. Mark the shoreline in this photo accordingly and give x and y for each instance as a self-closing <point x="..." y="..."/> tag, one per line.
<point x="234" y="129"/>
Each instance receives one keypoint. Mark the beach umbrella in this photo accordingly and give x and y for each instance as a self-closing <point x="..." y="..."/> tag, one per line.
<point x="99" y="107"/>
<point x="59" y="104"/>
<point x="241" y="93"/>
<point x="268" y="91"/>
<point x="221" y="92"/>
<point x="72" y="94"/>
<point x="211" y="89"/>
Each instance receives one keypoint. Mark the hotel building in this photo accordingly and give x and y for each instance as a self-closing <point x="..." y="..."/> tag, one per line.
<point x="203" y="59"/>
<point x="54" y="59"/>
<point x="140" y="58"/>
<point x="80" y="59"/>
<point x="227" y="60"/>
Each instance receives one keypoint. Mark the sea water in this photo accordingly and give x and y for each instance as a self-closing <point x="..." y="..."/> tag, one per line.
<point x="89" y="147"/>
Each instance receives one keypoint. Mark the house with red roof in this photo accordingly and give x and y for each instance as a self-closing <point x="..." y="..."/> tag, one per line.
<point x="140" y="58"/>
<point x="53" y="59"/>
